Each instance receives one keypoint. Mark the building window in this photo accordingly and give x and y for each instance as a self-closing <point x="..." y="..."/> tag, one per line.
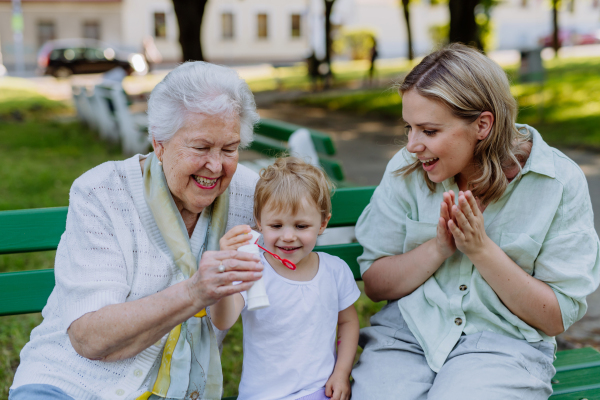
<point x="160" y="25"/>
<point x="296" y="25"/>
<point x="263" y="31"/>
<point x="45" y="31"/>
<point x="227" y="25"/>
<point x="91" y="30"/>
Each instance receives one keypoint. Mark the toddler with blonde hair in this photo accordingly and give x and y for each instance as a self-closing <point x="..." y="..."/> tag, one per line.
<point x="290" y="346"/>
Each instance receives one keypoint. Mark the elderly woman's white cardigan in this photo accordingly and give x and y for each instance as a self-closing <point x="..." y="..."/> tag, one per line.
<point x="106" y="256"/>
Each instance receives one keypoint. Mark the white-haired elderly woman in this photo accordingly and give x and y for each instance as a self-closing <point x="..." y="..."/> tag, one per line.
<point x="139" y="263"/>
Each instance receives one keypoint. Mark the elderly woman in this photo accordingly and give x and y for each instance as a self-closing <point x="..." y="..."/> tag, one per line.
<point x="138" y="264"/>
<point x="485" y="235"/>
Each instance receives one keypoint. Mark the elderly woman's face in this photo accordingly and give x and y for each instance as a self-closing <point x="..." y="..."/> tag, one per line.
<point x="200" y="160"/>
<point x="443" y="143"/>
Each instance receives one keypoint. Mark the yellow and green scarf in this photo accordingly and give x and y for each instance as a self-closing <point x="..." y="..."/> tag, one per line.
<point x="191" y="364"/>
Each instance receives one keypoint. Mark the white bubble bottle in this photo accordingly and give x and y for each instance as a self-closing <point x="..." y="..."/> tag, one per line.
<point x="257" y="295"/>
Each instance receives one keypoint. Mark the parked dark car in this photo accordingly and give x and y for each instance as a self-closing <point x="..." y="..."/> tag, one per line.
<point x="61" y="58"/>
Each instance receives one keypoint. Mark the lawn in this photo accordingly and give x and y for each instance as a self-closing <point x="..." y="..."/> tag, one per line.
<point x="566" y="109"/>
<point x="41" y="157"/>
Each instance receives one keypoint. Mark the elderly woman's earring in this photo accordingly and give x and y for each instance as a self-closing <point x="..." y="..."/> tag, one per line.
<point x="159" y="162"/>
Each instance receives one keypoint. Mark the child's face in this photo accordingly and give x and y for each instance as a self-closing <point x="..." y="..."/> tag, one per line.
<point x="292" y="236"/>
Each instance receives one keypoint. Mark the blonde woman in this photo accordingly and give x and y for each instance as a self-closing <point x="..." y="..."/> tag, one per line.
<point x="480" y="237"/>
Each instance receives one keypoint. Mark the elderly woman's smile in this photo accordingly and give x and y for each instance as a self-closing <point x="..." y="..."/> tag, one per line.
<point x="200" y="160"/>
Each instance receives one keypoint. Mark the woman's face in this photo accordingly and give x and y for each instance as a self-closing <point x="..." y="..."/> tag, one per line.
<point x="200" y="160"/>
<point x="443" y="143"/>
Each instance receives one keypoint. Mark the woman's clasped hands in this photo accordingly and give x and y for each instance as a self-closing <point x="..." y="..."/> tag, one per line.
<point x="461" y="226"/>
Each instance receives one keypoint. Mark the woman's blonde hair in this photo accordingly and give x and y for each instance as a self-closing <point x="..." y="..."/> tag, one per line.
<point x="469" y="83"/>
<point x="287" y="182"/>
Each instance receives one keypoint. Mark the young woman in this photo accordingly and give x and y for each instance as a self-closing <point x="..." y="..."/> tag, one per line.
<point x="485" y="235"/>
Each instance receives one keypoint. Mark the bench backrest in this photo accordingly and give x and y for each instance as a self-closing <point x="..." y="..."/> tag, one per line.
<point x="270" y="135"/>
<point x="41" y="229"/>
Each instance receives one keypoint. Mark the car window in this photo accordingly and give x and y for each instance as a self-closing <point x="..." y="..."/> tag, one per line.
<point x="55" y="55"/>
<point x="73" y="54"/>
<point x="94" y="54"/>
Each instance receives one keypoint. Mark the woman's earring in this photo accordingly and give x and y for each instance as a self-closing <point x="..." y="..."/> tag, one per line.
<point x="159" y="162"/>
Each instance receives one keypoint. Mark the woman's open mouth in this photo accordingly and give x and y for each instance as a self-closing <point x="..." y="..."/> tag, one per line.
<point x="205" y="183"/>
<point x="288" y="249"/>
<point x="428" y="165"/>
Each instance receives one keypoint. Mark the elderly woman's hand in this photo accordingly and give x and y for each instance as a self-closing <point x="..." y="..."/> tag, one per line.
<point x="208" y="285"/>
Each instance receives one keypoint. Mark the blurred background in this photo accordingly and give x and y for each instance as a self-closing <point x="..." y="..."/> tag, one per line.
<point x="75" y="76"/>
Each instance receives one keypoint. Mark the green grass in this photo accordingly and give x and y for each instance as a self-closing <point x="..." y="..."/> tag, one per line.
<point x="566" y="111"/>
<point x="345" y="73"/>
<point x="41" y="158"/>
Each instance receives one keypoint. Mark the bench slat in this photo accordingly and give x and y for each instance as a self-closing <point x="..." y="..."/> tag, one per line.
<point x="31" y="230"/>
<point x="577" y="380"/>
<point x="348" y="203"/>
<point x="283" y="130"/>
<point x="577" y="359"/>
<point x="591" y="394"/>
<point x="347" y="252"/>
<point x="26" y="291"/>
<point x="273" y="148"/>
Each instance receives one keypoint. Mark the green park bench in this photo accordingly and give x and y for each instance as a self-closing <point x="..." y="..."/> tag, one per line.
<point x="578" y="371"/>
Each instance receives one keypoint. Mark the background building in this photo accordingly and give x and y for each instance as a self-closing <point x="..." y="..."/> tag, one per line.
<point x="279" y="31"/>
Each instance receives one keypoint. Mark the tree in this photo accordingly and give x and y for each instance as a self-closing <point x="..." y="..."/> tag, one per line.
<point x="406" y="11"/>
<point x="555" y="40"/>
<point x="189" y="17"/>
<point x="470" y="21"/>
<point x="463" y="26"/>
<point x="328" y="39"/>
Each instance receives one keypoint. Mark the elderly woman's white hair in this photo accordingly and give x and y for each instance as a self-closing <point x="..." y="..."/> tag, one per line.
<point x="200" y="87"/>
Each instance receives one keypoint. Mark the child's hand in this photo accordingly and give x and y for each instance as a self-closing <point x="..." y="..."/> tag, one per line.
<point x="338" y="386"/>
<point x="236" y="237"/>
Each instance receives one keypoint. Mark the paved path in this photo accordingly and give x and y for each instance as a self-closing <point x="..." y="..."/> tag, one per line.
<point x="365" y="145"/>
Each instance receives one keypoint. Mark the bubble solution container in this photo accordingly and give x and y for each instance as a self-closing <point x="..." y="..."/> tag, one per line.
<point x="257" y="294"/>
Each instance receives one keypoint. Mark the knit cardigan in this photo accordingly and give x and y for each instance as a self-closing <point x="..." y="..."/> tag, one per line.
<point x="106" y="256"/>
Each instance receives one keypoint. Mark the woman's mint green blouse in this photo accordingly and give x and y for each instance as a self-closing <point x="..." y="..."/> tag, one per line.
<point x="543" y="222"/>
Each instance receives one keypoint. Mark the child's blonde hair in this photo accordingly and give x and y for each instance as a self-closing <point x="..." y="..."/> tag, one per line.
<point x="287" y="182"/>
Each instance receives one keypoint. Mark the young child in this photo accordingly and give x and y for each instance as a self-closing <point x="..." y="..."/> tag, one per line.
<point x="289" y="347"/>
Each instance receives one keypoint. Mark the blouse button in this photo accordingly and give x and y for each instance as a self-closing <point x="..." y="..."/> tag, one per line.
<point x="120" y="392"/>
<point x="458" y="321"/>
<point x="463" y="287"/>
<point x="137" y="373"/>
<point x="179" y="277"/>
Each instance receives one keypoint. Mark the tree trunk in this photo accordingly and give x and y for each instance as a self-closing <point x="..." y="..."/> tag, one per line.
<point x="189" y="17"/>
<point x="405" y="8"/>
<point x="555" y="41"/>
<point x="328" y="40"/>
<point x="463" y="27"/>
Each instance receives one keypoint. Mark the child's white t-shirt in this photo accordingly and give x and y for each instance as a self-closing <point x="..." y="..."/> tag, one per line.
<point x="289" y="347"/>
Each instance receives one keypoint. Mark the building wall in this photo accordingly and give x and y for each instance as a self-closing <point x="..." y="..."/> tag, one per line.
<point x="386" y="18"/>
<point x="520" y="25"/>
<point x="68" y="18"/>
<point x="137" y="21"/>
<point x="245" y="45"/>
